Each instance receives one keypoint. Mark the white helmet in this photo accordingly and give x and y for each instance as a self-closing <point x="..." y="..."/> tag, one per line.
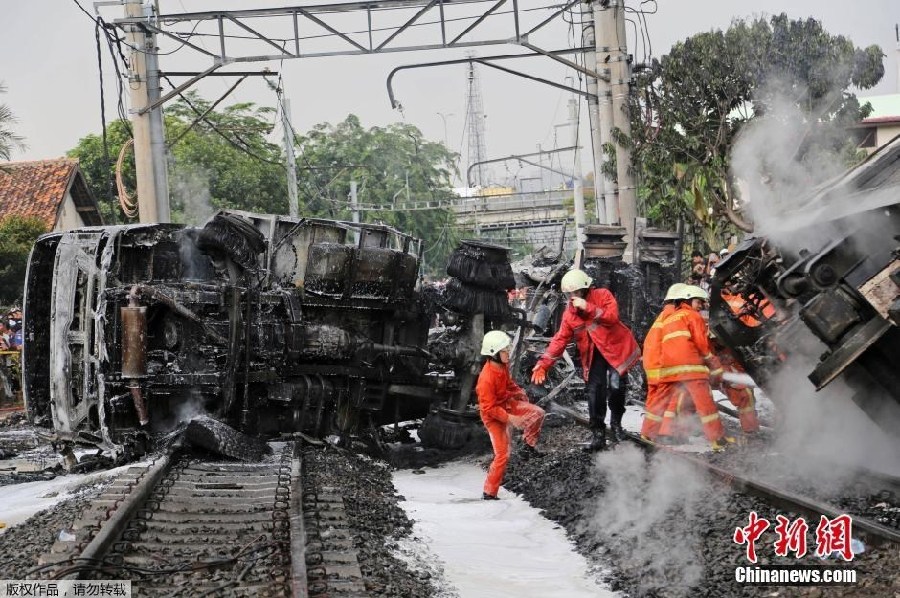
<point x="676" y="291"/>
<point x="575" y="280"/>
<point x="694" y="292"/>
<point x="494" y="342"/>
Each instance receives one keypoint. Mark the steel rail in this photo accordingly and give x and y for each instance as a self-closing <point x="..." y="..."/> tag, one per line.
<point x="874" y="532"/>
<point x="112" y="529"/>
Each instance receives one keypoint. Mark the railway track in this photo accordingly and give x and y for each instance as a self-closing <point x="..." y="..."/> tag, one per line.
<point x="190" y="526"/>
<point x="873" y="531"/>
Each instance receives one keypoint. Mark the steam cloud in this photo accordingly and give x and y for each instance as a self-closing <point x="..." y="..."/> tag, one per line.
<point x="649" y="506"/>
<point x="781" y="159"/>
<point x="190" y="192"/>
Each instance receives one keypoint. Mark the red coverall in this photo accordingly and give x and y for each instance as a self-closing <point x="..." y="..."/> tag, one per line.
<point x="656" y="401"/>
<point x="503" y="403"/>
<point x="597" y="327"/>
<point x="684" y="371"/>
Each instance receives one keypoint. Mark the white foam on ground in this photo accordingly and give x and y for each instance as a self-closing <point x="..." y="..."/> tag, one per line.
<point x="18" y="502"/>
<point x="491" y="548"/>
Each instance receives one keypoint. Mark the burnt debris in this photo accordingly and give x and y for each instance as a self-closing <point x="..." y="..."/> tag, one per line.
<point x="267" y="324"/>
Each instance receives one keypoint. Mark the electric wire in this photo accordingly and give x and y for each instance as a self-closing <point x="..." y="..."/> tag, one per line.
<point x="108" y="183"/>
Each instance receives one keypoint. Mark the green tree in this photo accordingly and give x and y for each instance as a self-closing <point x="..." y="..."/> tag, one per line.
<point x="17" y="235"/>
<point x="695" y="101"/>
<point x="394" y="167"/>
<point x="8" y="140"/>
<point x="223" y="161"/>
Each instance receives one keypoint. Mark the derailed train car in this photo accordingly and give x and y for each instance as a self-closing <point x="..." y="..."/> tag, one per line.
<point x="821" y="294"/>
<point x="266" y="323"/>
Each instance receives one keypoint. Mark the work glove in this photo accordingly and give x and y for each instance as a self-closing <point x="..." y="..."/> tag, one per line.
<point x="715" y="378"/>
<point x="579" y="303"/>
<point x="538" y="374"/>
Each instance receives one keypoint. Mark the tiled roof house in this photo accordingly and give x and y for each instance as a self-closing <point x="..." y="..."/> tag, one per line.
<point x="54" y="191"/>
<point x="882" y="125"/>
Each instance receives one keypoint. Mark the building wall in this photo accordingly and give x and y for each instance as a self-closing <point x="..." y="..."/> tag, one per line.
<point x="68" y="217"/>
<point x="886" y="133"/>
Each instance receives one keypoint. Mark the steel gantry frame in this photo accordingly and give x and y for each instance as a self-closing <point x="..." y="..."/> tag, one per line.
<point x="315" y="14"/>
<point x="458" y="26"/>
<point x="326" y="30"/>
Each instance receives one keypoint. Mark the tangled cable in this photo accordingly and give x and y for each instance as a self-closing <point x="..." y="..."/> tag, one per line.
<point x="126" y="201"/>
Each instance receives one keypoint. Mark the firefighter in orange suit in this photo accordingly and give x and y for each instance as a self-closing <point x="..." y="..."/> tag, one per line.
<point x="741" y="397"/>
<point x="607" y="349"/>
<point x="656" y="402"/>
<point x="502" y="404"/>
<point x="687" y="366"/>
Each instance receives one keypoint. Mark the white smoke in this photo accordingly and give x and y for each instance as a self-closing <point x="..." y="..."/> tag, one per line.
<point x="189" y="191"/>
<point x="779" y="183"/>
<point x="781" y="159"/>
<point x="820" y="429"/>
<point x="645" y="506"/>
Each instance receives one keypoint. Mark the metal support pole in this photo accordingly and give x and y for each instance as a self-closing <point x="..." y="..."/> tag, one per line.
<point x="290" y="164"/>
<point x="354" y="209"/>
<point x="590" y="59"/>
<point x="576" y="176"/>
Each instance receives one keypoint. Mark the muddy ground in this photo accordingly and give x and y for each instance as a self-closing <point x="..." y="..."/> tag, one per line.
<point x="658" y="527"/>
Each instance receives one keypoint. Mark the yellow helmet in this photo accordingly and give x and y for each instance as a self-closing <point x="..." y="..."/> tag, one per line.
<point x="694" y="292"/>
<point x="494" y="342"/>
<point x="676" y="291"/>
<point x="575" y="280"/>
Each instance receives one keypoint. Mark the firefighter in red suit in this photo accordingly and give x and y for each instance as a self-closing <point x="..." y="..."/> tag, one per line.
<point x="607" y="349"/>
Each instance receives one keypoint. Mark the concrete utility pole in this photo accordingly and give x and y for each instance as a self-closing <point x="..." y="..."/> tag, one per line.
<point x="576" y="176"/>
<point x="149" y="132"/>
<point x="612" y="53"/>
<point x="290" y="164"/>
<point x="590" y="59"/>
<point x="620" y="80"/>
<point x="897" y="52"/>
<point x="604" y="31"/>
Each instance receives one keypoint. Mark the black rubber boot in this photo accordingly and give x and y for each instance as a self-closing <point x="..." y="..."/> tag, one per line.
<point x="529" y="452"/>
<point x="486" y="496"/>
<point x="598" y="440"/>
<point x="616" y="434"/>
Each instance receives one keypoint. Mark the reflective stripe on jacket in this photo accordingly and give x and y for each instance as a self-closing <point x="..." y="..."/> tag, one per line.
<point x="653" y="345"/>
<point x="686" y="353"/>
<point x="597" y="326"/>
<point x="495" y="390"/>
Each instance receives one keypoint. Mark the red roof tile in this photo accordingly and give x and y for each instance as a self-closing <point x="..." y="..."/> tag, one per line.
<point x="37" y="189"/>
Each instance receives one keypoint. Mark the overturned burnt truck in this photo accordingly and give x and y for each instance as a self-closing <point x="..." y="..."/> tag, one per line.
<point x="821" y="294"/>
<point x="265" y="323"/>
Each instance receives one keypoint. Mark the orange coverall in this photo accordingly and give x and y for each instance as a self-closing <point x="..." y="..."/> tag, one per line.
<point x="656" y="401"/>
<point x="686" y="359"/>
<point x="503" y="404"/>
<point x="741" y="396"/>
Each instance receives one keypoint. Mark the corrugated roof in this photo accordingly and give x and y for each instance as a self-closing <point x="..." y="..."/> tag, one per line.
<point x="37" y="189"/>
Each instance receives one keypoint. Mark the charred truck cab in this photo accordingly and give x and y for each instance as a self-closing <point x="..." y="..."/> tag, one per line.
<point x="823" y="295"/>
<point x="266" y="323"/>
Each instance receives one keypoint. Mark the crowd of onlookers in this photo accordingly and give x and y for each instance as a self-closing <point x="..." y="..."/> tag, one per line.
<point x="11" y="331"/>
<point x="703" y="267"/>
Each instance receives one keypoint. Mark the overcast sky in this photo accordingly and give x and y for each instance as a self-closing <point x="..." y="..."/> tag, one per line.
<point x="50" y="71"/>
